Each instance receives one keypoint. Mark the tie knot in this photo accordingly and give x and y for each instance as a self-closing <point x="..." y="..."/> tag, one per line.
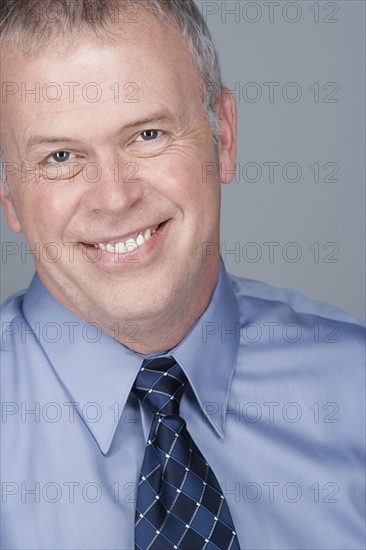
<point x="160" y="384"/>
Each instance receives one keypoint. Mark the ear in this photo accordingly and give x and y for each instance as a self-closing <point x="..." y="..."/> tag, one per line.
<point x="228" y="137"/>
<point x="9" y="210"/>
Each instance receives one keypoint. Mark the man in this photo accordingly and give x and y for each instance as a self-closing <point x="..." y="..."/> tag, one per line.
<point x="103" y="167"/>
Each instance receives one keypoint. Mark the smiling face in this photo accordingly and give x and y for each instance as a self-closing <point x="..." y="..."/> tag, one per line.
<point x="111" y="160"/>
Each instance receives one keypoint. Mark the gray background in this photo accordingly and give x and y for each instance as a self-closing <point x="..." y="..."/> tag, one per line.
<point x="317" y="227"/>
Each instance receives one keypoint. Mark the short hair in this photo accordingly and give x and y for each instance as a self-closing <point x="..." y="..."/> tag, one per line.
<point x="28" y="25"/>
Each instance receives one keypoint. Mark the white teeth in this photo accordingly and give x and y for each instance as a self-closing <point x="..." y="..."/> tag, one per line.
<point x="140" y="240"/>
<point x="120" y="248"/>
<point x="147" y="234"/>
<point x="128" y="246"/>
<point x="131" y="245"/>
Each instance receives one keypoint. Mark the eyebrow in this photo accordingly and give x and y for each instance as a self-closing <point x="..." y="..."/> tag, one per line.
<point x="161" y="117"/>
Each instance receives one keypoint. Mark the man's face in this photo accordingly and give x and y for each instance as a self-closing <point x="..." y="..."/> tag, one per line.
<point x="130" y="113"/>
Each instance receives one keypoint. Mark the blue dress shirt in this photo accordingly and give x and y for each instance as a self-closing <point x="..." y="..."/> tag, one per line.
<point x="275" y="403"/>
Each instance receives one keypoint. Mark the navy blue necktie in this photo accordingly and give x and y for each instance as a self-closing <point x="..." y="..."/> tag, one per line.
<point x="179" y="501"/>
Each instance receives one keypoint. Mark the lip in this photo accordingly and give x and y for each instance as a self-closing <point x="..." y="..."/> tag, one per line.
<point x="122" y="238"/>
<point x="136" y="259"/>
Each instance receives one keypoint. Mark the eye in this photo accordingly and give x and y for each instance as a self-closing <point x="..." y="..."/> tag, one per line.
<point x="149" y="143"/>
<point x="149" y="135"/>
<point x="59" y="157"/>
<point x="61" y="165"/>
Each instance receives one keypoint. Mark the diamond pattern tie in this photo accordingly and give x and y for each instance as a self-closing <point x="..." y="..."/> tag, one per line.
<point x="179" y="501"/>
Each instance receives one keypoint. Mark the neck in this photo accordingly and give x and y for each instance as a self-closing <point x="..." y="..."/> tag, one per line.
<point x="167" y="329"/>
<point x="158" y="332"/>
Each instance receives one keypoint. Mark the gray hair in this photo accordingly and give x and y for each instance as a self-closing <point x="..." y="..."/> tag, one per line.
<point x="28" y="25"/>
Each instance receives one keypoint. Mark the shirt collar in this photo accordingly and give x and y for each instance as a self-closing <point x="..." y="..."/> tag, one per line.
<point x="94" y="368"/>
<point x="208" y="352"/>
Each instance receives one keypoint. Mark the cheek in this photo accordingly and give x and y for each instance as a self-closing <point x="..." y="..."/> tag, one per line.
<point x="184" y="177"/>
<point x="46" y="210"/>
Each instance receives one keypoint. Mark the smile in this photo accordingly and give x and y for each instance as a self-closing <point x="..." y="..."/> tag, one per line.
<point x="128" y="245"/>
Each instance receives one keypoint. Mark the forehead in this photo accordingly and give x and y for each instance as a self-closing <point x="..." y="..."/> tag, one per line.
<point x="143" y="39"/>
<point x="147" y="65"/>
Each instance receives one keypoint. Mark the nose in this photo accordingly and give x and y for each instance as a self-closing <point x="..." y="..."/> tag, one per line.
<point x="113" y="187"/>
